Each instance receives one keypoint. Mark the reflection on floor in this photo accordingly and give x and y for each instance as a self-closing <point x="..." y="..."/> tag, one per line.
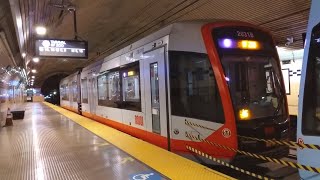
<point x="47" y="145"/>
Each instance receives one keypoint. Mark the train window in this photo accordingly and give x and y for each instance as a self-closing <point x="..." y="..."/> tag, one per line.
<point x="113" y="89"/>
<point x="74" y="91"/>
<point x="69" y="92"/>
<point x="155" y="98"/>
<point x="102" y="90"/>
<point x="131" y="87"/>
<point x="63" y="90"/>
<point x="84" y="90"/>
<point x="194" y="92"/>
<point x="255" y="84"/>
<point x="311" y="99"/>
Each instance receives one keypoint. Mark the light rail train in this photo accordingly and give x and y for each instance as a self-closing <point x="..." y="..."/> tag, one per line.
<point x="225" y="76"/>
<point x="308" y="131"/>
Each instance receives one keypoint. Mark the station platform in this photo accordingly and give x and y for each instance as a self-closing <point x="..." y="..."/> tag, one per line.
<point x="54" y="143"/>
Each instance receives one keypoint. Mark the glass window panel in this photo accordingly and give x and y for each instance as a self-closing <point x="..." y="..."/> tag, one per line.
<point x="194" y="92"/>
<point x="102" y="90"/>
<point x="74" y="91"/>
<point x="155" y="101"/>
<point x="114" y="86"/>
<point x="63" y="89"/>
<point x="84" y="90"/>
<point x="131" y="87"/>
<point x="255" y="83"/>
<point x="311" y="99"/>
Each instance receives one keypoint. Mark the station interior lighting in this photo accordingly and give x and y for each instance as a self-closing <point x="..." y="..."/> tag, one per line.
<point x="33" y="71"/>
<point x="23" y="55"/>
<point x="35" y="59"/>
<point x="32" y="77"/>
<point x="40" y="30"/>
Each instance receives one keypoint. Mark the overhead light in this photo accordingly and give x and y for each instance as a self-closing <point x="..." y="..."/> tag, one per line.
<point x="33" y="71"/>
<point x="32" y="77"/>
<point x="40" y="30"/>
<point x="35" y="59"/>
<point x="23" y="55"/>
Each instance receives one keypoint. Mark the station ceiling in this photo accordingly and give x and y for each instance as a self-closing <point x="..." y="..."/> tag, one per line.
<point x="109" y="25"/>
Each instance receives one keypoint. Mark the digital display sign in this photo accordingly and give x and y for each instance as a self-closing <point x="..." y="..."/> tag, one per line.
<point x="243" y="40"/>
<point x="61" y="48"/>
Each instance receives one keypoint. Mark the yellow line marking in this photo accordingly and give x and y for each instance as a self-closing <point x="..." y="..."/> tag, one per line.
<point x="171" y="165"/>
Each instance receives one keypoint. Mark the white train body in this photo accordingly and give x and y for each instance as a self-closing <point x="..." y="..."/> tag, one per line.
<point x="182" y="37"/>
<point x="308" y="131"/>
<point x="152" y="87"/>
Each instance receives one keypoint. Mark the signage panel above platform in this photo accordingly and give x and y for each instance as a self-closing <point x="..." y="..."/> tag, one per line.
<point x="61" y="48"/>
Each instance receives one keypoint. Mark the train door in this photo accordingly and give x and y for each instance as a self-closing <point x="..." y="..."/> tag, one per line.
<point x="155" y="91"/>
<point x="79" y="103"/>
<point x="92" y="86"/>
<point x="70" y="94"/>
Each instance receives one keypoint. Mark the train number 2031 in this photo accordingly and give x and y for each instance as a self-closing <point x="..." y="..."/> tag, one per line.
<point x="138" y="120"/>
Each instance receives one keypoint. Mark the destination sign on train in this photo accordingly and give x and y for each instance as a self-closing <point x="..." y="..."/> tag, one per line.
<point x="61" y="48"/>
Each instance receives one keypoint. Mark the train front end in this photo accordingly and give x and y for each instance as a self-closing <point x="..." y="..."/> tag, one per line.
<point x="245" y="61"/>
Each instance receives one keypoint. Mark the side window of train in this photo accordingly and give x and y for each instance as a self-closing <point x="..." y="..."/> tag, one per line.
<point x="130" y="75"/>
<point x="66" y="87"/>
<point x="120" y="88"/>
<point x="194" y="92"/>
<point x="63" y="92"/>
<point x="74" y="91"/>
<point x="109" y="90"/>
<point x="102" y="90"/>
<point x="84" y="90"/>
<point x="114" y="89"/>
<point x="311" y="99"/>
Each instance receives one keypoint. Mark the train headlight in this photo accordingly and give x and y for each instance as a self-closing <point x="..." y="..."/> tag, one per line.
<point x="244" y="114"/>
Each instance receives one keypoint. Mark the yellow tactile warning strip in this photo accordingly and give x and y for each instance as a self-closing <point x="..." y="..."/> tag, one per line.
<point x="171" y="165"/>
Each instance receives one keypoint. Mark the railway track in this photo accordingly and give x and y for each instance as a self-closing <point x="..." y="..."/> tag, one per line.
<point x="268" y="169"/>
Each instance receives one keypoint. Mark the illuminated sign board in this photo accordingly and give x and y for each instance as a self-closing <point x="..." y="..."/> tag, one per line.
<point x="61" y="48"/>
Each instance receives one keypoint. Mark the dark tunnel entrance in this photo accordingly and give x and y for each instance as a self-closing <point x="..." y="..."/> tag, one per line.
<point x="50" y="88"/>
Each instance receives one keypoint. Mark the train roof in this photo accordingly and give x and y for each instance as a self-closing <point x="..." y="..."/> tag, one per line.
<point x="180" y="32"/>
<point x="183" y="36"/>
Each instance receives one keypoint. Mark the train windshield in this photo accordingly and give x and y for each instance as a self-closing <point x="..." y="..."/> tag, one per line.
<point x="249" y="58"/>
<point x="255" y="85"/>
<point x="311" y="99"/>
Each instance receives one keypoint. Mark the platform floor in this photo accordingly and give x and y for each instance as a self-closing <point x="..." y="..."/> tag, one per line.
<point x="48" y="145"/>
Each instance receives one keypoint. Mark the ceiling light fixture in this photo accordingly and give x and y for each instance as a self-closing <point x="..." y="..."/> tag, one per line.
<point x="35" y="59"/>
<point x="40" y="30"/>
<point x="33" y="71"/>
<point x="32" y="77"/>
<point x="23" y="55"/>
